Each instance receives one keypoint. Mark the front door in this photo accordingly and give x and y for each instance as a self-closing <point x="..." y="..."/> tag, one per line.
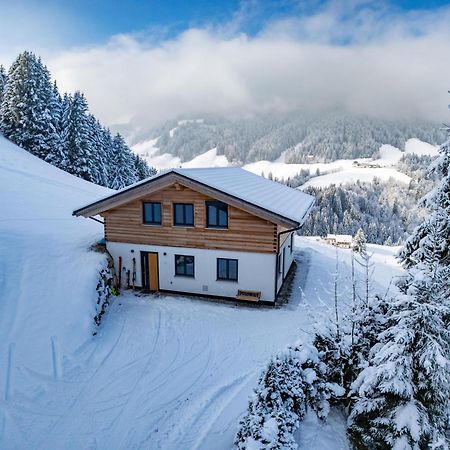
<point x="150" y="272"/>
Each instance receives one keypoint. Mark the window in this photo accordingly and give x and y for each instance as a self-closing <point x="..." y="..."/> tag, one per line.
<point x="280" y="269"/>
<point x="184" y="265"/>
<point x="227" y="269"/>
<point x="152" y="213"/>
<point x="183" y="214"/>
<point x="292" y="242"/>
<point x="216" y="215"/>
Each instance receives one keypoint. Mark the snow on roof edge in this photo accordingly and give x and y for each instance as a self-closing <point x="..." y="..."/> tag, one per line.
<point x="308" y="199"/>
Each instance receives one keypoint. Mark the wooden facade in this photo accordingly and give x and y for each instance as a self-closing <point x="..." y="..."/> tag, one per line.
<point x="245" y="232"/>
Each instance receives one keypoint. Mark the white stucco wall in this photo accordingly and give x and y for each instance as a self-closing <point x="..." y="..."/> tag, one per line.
<point x="256" y="271"/>
<point x="288" y="259"/>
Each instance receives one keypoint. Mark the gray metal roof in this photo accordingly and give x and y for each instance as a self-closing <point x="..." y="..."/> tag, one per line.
<point x="274" y="197"/>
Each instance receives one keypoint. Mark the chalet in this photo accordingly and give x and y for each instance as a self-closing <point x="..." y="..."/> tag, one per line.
<point x="339" y="240"/>
<point x="216" y="231"/>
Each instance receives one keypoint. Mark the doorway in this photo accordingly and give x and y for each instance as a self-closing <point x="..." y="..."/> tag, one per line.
<point x="150" y="271"/>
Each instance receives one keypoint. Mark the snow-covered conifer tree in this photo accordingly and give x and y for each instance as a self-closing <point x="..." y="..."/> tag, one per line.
<point x="359" y="242"/>
<point x="122" y="164"/>
<point x="403" y="399"/>
<point x="77" y="137"/>
<point x="98" y="159"/>
<point x="27" y="117"/>
<point x="142" y="169"/>
<point x="3" y="79"/>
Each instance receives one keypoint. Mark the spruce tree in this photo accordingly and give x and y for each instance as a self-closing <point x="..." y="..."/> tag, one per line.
<point x="77" y="137"/>
<point x="141" y="168"/>
<point x="122" y="164"/>
<point x="3" y="79"/>
<point x="98" y="159"/>
<point x="403" y="395"/>
<point x="359" y="242"/>
<point x="26" y="115"/>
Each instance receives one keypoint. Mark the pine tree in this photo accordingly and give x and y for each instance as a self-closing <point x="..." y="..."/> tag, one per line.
<point x="98" y="159"/>
<point x="56" y="153"/>
<point x="122" y="164"/>
<point x="3" y="79"/>
<point x="141" y="168"/>
<point x="403" y="399"/>
<point x="417" y="247"/>
<point x="359" y="242"/>
<point x="77" y="137"/>
<point x="26" y="115"/>
<point x="403" y="394"/>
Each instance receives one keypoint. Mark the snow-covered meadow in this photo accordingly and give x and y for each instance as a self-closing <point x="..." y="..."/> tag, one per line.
<point x="336" y="172"/>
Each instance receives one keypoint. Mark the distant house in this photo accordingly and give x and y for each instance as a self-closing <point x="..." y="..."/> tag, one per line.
<point x="339" y="240"/>
<point x="216" y="231"/>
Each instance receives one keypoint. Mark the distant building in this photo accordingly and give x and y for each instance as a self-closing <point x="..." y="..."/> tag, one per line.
<point x="339" y="240"/>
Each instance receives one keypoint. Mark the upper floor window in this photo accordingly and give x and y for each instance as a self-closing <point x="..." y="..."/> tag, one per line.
<point x="152" y="213"/>
<point x="216" y="214"/>
<point x="183" y="214"/>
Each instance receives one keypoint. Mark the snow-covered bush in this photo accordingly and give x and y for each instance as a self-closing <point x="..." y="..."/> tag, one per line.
<point x="104" y="288"/>
<point x="293" y="381"/>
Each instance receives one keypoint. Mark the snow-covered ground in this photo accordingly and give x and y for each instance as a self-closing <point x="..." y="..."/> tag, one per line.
<point x="336" y="172"/>
<point x="163" y="372"/>
<point x="47" y="273"/>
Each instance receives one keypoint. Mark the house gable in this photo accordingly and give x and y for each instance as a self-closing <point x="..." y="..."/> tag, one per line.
<point x="160" y="183"/>
<point x="245" y="232"/>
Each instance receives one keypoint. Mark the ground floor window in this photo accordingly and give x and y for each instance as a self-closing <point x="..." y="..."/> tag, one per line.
<point x="184" y="265"/>
<point x="227" y="269"/>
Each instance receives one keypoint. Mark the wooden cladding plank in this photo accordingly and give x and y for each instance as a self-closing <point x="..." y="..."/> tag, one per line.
<point x="245" y="231"/>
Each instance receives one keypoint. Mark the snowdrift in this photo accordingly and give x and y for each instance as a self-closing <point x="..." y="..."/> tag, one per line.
<point x="48" y="274"/>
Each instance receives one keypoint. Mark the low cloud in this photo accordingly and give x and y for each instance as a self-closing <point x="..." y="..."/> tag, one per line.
<point x="354" y="56"/>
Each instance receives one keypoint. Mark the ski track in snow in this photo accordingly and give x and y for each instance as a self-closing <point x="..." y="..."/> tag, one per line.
<point x="172" y="372"/>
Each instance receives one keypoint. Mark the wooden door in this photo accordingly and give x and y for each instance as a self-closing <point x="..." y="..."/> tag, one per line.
<point x="153" y="271"/>
<point x="150" y="271"/>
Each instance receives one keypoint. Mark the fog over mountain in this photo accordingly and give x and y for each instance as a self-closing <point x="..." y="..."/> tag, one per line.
<point x="303" y="137"/>
<point x="364" y="58"/>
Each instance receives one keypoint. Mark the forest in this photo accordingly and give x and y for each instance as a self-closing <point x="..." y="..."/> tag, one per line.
<point x="60" y="129"/>
<point x="303" y="137"/>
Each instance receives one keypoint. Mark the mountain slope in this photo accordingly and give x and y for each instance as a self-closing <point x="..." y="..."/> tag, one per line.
<point x="304" y="137"/>
<point x="48" y="274"/>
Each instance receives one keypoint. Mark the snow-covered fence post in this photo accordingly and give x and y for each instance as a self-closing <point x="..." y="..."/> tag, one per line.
<point x="55" y="359"/>
<point x="9" y="388"/>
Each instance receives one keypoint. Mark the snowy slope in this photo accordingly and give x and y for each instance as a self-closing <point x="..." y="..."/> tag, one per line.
<point x="47" y="274"/>
<point x="175" y="373"/>
<point x="337" y="172"/>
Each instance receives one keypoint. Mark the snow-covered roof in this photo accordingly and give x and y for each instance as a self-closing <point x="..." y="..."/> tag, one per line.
<point x="271" y="196"/>
<point x="340" y="237"/>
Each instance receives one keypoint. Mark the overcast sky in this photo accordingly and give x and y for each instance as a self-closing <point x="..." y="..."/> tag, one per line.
<point x="152" y="61"/>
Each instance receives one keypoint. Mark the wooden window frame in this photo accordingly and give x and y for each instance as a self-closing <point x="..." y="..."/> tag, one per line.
<point x="227" y="278"/>
<point x="183" y="224"/>
<point x="143" y="213"/>
<point x="184" y="266"/>
<point x="217" y="204"/>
